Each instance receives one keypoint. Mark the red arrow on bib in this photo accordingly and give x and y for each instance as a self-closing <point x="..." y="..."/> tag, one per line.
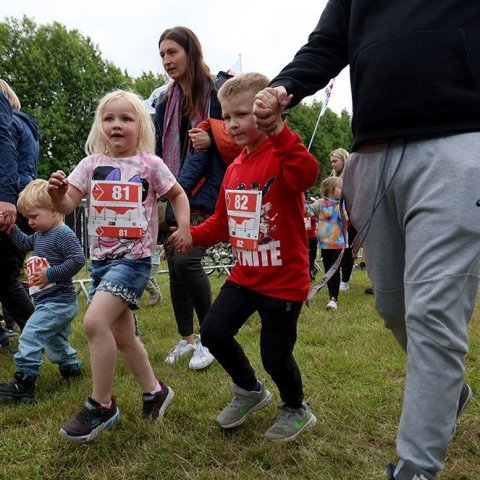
<point x="97" y="192"/>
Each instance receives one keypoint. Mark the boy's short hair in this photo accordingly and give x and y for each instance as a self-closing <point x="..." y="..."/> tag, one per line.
<point x="243" y="82"/>
<point x="328" y="185"/>
<point x="34" y="195"/>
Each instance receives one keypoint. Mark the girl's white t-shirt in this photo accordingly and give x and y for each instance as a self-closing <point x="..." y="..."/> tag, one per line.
<point x="144" y="168"/>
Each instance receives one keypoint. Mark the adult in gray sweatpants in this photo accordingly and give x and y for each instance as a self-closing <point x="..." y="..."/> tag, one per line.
<point x="422" y="243"/>
<point x="412" y="186"/>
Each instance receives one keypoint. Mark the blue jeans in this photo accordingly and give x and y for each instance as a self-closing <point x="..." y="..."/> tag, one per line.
<point x="47" y="329"/>
<point x="121" y="277"/>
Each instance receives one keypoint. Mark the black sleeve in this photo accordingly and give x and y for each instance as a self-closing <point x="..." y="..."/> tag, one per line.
<point x="215" y="108"/>
<point x="322" y="58"/>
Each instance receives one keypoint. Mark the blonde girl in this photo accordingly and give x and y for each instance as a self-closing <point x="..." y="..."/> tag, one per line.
<point x="121" y="179"/>
<point x="338" y="160"/>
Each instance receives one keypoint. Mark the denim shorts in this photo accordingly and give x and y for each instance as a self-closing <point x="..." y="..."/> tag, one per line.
<point x="121" y="277"/>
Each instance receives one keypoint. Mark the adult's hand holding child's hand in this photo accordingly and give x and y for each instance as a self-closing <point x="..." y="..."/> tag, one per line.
<point x="268" y="106"/>
<point x="8" y="216"/>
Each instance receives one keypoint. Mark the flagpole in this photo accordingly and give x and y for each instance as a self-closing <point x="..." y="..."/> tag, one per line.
<point x="314" y="131"/>
<point x="328" y="92"/>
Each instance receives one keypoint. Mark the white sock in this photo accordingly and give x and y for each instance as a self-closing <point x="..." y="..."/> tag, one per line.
<point x="157" y="389"/>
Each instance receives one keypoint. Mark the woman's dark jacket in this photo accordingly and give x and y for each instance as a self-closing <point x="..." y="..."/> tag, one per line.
<point x="201" y="172"/>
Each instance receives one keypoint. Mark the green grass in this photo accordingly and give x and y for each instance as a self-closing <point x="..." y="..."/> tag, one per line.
<point x="353" y="375"/>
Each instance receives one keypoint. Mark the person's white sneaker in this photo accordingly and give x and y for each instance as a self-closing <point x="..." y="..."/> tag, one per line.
<point x="331" y="305"/>
<point x="179" y="350"/>
<point x="202" y="357"/>
<point x="344" y="286"/>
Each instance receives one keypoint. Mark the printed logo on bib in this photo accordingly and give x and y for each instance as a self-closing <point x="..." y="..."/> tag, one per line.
<point x="116" y="210"/>
<point x="244" y="210"/>
<point x="36" y="265"/>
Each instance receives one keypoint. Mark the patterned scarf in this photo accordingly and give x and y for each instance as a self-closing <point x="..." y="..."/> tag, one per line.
<point x="171" y="141"/>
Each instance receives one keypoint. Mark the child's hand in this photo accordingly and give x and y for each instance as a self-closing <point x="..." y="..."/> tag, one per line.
<point x="200" y="139"/>
<point x="57" y="185"/>
<point x="267" y="109"/>
<point x="180" y="239"/>
<point x="40" y="278"/>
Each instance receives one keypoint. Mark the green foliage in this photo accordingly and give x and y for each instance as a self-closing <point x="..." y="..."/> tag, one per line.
<point x="332" y="132"/>
<point x="146" y="83"/>
<point x="59" y="76"/>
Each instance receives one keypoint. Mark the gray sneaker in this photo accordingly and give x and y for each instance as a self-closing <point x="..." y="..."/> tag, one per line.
<point x="291" y="423"/>
<point x="242" y="405"/>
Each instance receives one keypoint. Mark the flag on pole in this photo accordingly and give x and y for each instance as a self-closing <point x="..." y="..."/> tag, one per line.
<point x="236" y="67"/>
<point x="328" y="93"/>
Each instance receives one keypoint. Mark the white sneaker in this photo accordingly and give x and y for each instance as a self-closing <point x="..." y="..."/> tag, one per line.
<point x="331" y="305"/>
<point x="344" y="286"/>
<point x="179" y="350"/>
<point x="202" y="357"/>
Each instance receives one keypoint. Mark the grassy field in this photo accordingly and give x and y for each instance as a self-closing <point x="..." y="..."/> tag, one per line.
<point x="353" y="376"/>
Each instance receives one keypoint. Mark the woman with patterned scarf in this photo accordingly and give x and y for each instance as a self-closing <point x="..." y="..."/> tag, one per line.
<point x="190" y="99"/>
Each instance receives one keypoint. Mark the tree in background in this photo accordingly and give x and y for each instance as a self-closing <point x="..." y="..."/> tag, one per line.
<point x="59" y="76"/>
<point x="332" y="132"/>
<point x="146" y="83"/>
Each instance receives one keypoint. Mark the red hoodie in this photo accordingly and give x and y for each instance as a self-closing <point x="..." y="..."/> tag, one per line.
<point x="282" y="169"/>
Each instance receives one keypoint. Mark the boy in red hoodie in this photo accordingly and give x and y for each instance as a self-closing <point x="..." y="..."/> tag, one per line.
<point x="260" y="210"/>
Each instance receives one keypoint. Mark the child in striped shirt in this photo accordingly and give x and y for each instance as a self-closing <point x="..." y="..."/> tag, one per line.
<point x="57" y="257"/>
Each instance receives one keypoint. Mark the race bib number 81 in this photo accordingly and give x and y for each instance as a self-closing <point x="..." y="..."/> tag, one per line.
<point x="116" y="210"/>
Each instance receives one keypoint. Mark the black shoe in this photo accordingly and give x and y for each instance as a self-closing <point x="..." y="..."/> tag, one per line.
<point x="71" y="372"/>
<point x="11" y="331"/>
<point x="21" y="387"/>
<point x="154" y="405"/>
<point x="4" y="339"/>
<point x="90" y="421"/>
<point x="465" y="396"/>
<point x="369" y="291"/>
<point x="409" y="471"/>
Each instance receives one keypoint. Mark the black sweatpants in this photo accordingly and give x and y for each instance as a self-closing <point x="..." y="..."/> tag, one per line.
<point x="278" y="334"/>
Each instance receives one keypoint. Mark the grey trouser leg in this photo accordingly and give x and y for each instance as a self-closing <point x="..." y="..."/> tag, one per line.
<point x="423" y="250"/>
